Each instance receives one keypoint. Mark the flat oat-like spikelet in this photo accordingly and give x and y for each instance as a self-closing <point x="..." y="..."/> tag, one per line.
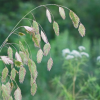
<point x="48" y="15"/>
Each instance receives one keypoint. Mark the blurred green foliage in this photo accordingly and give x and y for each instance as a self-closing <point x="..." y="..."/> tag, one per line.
<point x="88" y="12"/>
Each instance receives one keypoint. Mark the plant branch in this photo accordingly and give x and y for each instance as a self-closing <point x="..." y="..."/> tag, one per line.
<point x="23" y="18"/>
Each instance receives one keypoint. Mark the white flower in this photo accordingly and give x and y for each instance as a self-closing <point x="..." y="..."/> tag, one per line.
<point x="76" y="53"/>
<point x="65" y="51"/>
<point x="81" y="48"/>
<point x="98" y="58"/>
<point x="6" y="60"/>
<point x="17" y="56"/>
<point x="84" y="54"/>
<point x="69" y="57"/>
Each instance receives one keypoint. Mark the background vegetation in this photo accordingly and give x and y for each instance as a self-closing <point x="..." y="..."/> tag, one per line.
<point x="89" y="13"/>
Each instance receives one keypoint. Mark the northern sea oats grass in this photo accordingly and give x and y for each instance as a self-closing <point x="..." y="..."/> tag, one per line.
<point x="23" y="56"/>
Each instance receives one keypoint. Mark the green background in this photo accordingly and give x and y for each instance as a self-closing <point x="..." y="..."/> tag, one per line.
<point x="11" y="11"/>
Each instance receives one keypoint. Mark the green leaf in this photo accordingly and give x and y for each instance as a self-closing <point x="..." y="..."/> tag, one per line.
<point x="39" y="56"/>
<point x="49" y="64"/>
<point x="33" y="89"/>
<point x="81" y="30"/>
<point x="18" y="63"/>
<point x="56" y="28"/>
<point x="4" y="74"/>
<point x="17" y="94"/>
<point x="75" y="19"/>
<point x="46" y="49"/>
<point x="62" y="12"/>
<point x="36" y="27"/>
<point x="22" y="73"/>
<point x="21" y="34"/>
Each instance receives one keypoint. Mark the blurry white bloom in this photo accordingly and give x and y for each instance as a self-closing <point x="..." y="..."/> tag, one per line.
<point x="65" y="51"/>
<point x="76" y="53"/>
<point x="17" y="56"/>
<point x="81" y="48"/>
<point x="6" y="60"/>
<point x="84" y="54"/>
<point x="69" y="57"/>
<point x="98" y="58"/>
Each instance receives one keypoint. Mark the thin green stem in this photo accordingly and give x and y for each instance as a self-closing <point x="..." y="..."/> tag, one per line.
<point x="74" y="79"/>
<point x="81" y="89"/>
<point x="65" y="90"/>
